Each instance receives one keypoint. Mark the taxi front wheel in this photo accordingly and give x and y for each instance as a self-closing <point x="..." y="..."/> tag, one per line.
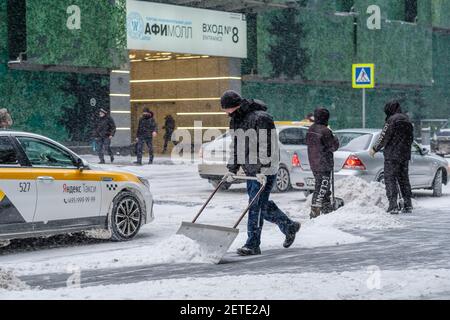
<point x="126" y="217"/>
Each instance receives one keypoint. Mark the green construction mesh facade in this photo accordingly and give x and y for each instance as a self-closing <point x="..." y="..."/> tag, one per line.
<point x="100" y="41"/>
<point x="57" y="104"/>
<point x="411" y="60"/>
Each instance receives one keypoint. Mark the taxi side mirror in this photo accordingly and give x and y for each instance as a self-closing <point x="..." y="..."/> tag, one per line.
<point x="80" y="164"/>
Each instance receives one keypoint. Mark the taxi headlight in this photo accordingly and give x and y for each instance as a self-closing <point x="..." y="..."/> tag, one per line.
<point x="145" y="182"/>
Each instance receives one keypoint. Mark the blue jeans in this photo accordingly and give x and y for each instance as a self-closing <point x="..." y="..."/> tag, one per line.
<point x="263" y="209"/>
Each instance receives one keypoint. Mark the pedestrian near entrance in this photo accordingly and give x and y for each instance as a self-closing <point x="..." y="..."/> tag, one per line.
<point x="169" y="126"/>
<point x="147" y="130"/>
<point x="5" y="119"/>
<point x="249" y="116"/>
<point x="396" y="139"/>
<point x="321" y="146"/>
<point x="104" y="132"/>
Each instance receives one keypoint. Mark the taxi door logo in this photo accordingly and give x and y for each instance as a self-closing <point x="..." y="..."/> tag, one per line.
<point x="8" y="212"/>
<point x="363" y="76"/>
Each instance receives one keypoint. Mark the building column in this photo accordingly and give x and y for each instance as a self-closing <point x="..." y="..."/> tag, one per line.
<point x="121" y="107"/>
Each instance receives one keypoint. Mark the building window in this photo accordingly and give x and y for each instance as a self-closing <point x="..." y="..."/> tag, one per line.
<point x="410" y="10"/>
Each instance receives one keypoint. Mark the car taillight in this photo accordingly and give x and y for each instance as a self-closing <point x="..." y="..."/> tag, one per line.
<point x="296" y="161"/>
<point x="354" y="163"/>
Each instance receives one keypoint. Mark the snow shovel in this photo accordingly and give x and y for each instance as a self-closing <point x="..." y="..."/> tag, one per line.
<point x="216" y="240"/>
<point x="336" y="203"/>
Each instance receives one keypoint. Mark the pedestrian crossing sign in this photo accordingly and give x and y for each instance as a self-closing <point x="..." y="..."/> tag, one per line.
<point x="363" y="76"/>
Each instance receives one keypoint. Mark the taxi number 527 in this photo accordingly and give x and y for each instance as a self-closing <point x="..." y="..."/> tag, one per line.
<point x="24" y="186"/>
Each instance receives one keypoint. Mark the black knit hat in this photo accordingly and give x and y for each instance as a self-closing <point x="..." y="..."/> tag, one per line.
<point x="146" y="110"/>
<point x="230" y="99"/>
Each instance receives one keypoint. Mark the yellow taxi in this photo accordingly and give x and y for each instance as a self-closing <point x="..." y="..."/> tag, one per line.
<point x="46" y="189"/>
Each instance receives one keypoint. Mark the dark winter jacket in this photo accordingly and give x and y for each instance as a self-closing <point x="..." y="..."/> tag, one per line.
<point x="257" y="152"/>
<point x="321" y="143"/>
<point x="147" y="125"/>
<point x="169" y="125"/>
<point x="397" y="135"/>
<point x="105" y="127"/>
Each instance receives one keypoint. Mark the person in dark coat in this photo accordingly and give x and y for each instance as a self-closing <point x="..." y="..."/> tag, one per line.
<point x="321" y="145"/>
<point x="169" y="126"/>
<point x="147" y="130"/>
<point x="396" y="139"/>
<point x="255" y="150"/>
<point x="104" y="132"/>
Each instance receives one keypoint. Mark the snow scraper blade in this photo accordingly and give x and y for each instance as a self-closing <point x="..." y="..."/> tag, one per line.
<point x="215" y="240"/>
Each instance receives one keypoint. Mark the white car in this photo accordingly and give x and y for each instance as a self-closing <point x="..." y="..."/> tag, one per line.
<point x="46" y="189"/>
<point x="215" y="154"/>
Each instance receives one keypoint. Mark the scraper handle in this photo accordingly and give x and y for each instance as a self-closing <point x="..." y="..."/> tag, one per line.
<point x="236" y="177"/>
<point x="209" y="200"/>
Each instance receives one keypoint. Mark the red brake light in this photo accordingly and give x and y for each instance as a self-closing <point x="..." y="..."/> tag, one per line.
<point x="296" y="161"/>
<point x="354" y="163"/>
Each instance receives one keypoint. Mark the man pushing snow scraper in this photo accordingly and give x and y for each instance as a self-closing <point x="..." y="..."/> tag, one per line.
<point x="254" y="148"/>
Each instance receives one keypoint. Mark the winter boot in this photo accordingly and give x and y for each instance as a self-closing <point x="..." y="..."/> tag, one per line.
<point x="102" y="161"/>
<point x="138" y="162"/>
<point x="408" y="206"/>
<point x="245" y="251"/>
<point x="393" y="207"/>
<point x="327" y="208"/>
<point x="315" y="212"/>
<point x="290" y="237"/>
<point x="112" y="159"/>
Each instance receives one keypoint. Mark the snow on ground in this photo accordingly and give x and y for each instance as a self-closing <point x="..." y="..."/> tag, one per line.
<point x="365" y="284"/>
<point x="9" y="282"/>
<point x="171" y="249"/>
<point x="179" y="193"/>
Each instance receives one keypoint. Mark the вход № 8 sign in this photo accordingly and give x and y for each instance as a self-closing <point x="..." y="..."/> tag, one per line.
<point x="161" y="27"/>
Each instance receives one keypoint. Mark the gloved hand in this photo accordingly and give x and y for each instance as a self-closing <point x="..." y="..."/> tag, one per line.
<point x="261" y="178"/>
<point x="229" y="177"/>
<point x="372" y="153"/>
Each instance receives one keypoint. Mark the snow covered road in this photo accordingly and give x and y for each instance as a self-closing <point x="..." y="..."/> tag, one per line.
<point x="357" y="244"/>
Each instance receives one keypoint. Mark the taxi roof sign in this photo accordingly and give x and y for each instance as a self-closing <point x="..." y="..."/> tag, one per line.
<point x="363" y="76"/>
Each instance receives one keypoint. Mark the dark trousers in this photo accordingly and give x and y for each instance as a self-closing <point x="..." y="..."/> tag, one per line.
<point x="167" y="139"/>
<point x="261" y="210"/>
<point x="102" y="145"/>
<point x="322" y="192"/>
<point x="140" y="148"/>
<point x="396" y="174"/>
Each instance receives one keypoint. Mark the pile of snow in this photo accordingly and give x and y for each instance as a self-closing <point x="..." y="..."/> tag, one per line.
<point x="365" y="207"/>
<point x="180" y="249"/>
<point x="170" y="250"/>
<point x="8" y="281"/>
